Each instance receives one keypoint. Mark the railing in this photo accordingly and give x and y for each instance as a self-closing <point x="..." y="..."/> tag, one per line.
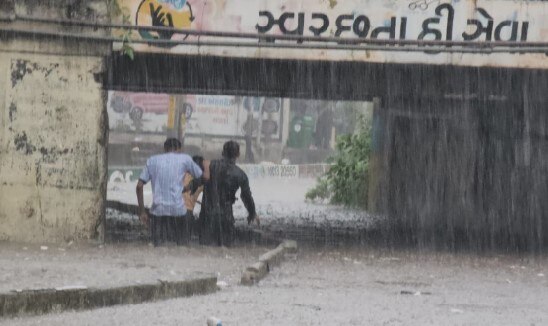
<point x="268" y="41"/>
<point x="128" y="174"/>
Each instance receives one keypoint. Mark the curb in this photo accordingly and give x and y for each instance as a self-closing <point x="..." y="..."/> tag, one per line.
<point x="35" y="302"/>
<point x="257" y="271"/>
<point x="123" y="207"/>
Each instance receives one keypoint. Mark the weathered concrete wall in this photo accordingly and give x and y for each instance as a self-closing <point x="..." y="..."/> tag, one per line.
<point x="469" y="168"/>
<point x="53" y="139"/>
<point x="52" y="161"/>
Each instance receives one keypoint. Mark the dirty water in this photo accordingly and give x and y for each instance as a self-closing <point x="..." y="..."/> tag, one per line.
<point x="283" y="213"/>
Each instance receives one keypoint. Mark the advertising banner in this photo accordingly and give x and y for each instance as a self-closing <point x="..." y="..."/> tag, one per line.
<point x="214" y="115"/>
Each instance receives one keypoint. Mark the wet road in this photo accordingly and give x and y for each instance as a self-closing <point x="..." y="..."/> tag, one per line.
<point x="362" y="286"/>
<point x="356" y="287"/>
<point x="26" y="266"/>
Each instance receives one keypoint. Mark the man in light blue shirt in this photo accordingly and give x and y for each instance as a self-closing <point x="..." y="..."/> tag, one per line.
<point x="166" y="171"/>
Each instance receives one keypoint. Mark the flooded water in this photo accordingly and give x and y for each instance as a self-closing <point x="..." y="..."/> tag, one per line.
<point x="283" y="213"/>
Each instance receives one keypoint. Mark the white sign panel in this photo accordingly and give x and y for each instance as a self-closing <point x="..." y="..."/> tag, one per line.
<point x="232" y="116"/>
<point x="457" y="20"/>
<point x="218" y="115"/>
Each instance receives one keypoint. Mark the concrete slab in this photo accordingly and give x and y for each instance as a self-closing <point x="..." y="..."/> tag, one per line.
<point x="257" y="271"/>
<point x="36" y="302"/>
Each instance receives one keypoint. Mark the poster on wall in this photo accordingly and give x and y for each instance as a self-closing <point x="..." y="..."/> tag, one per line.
<point x="212" y="115"/>
<point x="143" y="112"/>
<point x="235" y="116"/>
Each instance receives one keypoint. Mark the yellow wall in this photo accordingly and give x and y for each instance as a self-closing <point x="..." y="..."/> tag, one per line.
<point x="53" y="140"/>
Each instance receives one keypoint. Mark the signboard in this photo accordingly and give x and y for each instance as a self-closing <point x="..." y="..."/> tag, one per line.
<point x="219" y="115"/>
<point x="233" y="116"/>
<point x="456" y="20"/>
<point x="224" y="116"/>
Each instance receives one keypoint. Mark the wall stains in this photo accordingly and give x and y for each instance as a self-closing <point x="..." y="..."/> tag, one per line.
<point x="22" y="144"/>
<point x="61" y="113"/>
<point x="12" y="111"/>
<point x="52" y="154"/>
<point x="38" y="174"/>
<point x="99" y="77"/>
<point x="27" y="210"/>
<point x="20" y="68"/>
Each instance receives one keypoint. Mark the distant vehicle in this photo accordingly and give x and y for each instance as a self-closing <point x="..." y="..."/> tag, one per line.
<point x="137" y="104"/>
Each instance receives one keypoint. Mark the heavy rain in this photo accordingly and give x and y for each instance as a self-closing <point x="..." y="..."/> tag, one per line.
<point x="211" y="162"/>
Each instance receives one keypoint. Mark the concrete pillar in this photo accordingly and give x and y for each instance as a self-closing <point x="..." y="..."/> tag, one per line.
<point x="53" y="136"/>
<point x="375" y="164"/>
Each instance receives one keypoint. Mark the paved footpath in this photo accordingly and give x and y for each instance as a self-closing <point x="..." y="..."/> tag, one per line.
<point x="24" y="266"/>
<point x="342" y="287"/>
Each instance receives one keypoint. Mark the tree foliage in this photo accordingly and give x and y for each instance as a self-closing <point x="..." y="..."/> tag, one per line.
<point x="346" y="181"/>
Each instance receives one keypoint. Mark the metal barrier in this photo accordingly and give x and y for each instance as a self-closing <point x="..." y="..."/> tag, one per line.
<point x="128" y="174"/>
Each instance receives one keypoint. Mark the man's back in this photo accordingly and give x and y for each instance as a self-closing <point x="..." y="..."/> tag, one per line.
<point x="219" y="196"/>
<point x="228" y="178"/>
<point x="166" y="172"/>
<point x="216" y="218"/>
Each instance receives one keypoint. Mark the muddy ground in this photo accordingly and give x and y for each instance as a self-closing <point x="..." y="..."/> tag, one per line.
<point x="355" y="287"/>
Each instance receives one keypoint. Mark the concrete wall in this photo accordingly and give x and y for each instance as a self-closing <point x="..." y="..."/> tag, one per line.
<point x="53" y="138"/>
<point x="468" y="168"/>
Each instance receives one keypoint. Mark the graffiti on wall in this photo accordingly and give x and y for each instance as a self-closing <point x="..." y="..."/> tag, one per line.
<point x="163" y="13"/>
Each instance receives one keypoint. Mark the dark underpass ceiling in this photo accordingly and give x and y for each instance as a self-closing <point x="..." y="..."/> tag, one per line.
<point x="315" y="79"/>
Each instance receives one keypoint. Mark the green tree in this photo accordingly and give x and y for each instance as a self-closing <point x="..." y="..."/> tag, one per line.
<point x="346" y="181"/>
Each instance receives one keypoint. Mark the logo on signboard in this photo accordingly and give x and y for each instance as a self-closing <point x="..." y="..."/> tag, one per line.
<point x="163" y="13"/>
